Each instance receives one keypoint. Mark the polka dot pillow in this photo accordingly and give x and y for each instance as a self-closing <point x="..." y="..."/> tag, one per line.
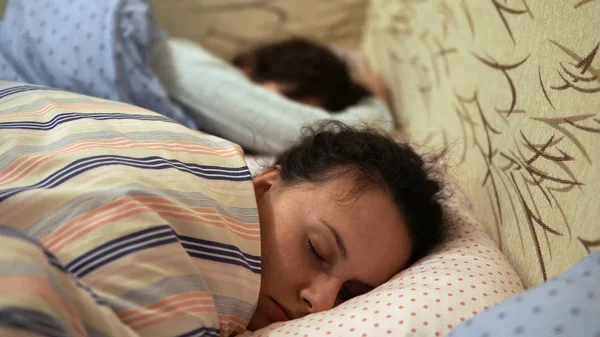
<point x="464" y="276"/>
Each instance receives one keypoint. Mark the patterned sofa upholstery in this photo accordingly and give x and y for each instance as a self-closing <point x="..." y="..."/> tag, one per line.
<point x="230" y="26"/>
<point x="511" y="88"/>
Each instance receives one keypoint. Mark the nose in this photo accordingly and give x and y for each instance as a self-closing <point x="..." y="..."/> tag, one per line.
<point x="321" y="294"/>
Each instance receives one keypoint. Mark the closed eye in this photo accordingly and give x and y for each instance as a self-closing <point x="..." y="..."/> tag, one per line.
<point x="314" y="252"/>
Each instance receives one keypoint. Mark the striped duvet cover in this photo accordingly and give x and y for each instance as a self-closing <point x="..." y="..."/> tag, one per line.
<point x="116" y="221"/>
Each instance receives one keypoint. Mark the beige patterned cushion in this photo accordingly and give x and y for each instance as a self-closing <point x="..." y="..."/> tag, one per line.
<point x="512" y="88"/>
<point x="227" y="27"/>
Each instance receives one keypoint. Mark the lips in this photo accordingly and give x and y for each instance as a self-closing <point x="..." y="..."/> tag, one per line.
<point x="278" y="313"/>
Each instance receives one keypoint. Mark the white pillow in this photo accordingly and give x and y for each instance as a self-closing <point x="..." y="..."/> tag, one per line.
<point x="464" y="276"/>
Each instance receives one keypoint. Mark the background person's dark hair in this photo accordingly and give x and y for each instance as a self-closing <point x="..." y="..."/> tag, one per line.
<point x="311" y="70"/>
<point x="371" y="160"/>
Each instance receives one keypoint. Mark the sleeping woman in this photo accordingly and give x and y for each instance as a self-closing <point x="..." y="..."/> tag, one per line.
<point x="120" y="222"/>
<point x="322" y="208"/>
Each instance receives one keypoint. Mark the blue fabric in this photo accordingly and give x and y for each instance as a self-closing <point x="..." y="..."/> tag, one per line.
<point x="568" y="305"/>
<point x="99" y="48"/>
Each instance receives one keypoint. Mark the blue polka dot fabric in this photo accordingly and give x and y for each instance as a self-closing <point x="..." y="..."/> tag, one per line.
<point x="99" y="48"/>
<point x="567" y="305"/>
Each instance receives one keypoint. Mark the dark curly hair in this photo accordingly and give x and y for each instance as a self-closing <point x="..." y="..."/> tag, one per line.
<point x="371" y="160"/>
<point x="312" y="71"/>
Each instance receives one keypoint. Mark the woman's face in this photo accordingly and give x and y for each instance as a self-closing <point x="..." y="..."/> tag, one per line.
<point x="321" y="247"/>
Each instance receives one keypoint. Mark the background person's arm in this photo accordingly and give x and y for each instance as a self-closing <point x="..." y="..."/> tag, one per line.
<point x="225" y="103"/>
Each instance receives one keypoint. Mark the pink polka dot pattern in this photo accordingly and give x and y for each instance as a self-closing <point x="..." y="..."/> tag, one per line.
<point x="464" y="276"/>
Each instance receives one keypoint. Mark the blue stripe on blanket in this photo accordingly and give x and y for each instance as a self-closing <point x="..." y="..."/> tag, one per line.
<point x="124" y="249"/>
<point x="153" y="237"/>
<point x="83" y="262"/>
<point x="69" y="117"/>
<point x="228" y="250"/>
<point x="203" y="332"/>
<point x="20" y="88"/>
<point x="148" y="163"/>
<point x="205" y="255"/>
<point x="32" y="321"/>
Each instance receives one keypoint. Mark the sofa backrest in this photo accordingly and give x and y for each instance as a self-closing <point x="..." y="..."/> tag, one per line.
<point x="228" y="27"/>
<point x="512" y="90"/>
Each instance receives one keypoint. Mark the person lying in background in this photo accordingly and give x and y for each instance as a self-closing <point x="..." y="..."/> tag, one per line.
<point x="263" y="98"/>
<point x="303" y="71"/>
<point x="261" y="101"/>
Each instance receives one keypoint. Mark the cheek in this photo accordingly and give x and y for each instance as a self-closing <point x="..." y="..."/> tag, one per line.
<point x="283" y="268"/>
<point x="282" y="249"/>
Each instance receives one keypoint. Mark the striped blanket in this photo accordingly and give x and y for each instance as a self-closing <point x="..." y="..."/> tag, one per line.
<point x="117" y="221"/>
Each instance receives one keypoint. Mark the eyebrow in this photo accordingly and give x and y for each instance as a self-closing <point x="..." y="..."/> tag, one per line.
<point x="338" y="239"/>
<point x="344" y="252"/>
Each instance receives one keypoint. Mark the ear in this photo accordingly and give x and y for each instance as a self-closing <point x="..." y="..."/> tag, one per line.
<point x="266" y="181"/>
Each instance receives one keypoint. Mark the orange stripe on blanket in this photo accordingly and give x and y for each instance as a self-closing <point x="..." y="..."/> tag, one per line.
<point x="166" y="304"/>
<point x="244" y="233"/>
<point x="169" y="308"/>
<point x="76" y="228"/>
<point x="167" y="209"/>
<point x="206" y="215"/>
<point x="231" y="323"/>
<point x="164" y="261"/>
<point x="26" y="164"/>
<point x="189" y="311"/>
<point x="37" y="286"/>
<point x="209" y="213"/>
<point x="131" y="206"/>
